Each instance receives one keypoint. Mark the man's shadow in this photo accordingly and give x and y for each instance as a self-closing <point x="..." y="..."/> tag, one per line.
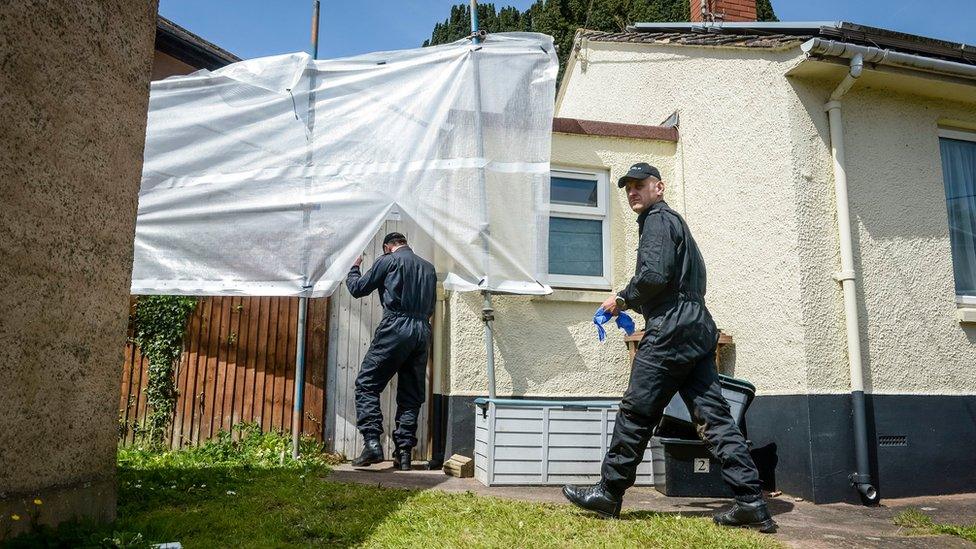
<point x="705" y="508"/>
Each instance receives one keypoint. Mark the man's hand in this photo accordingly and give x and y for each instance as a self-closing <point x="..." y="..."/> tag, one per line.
<point x="359" y="261"/>
<point x="610" y="305"/>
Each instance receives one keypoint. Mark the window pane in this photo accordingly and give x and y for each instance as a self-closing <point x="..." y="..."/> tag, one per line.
<point x="573" y="192"/>
<point x="575" y="246"/>
<point x="959" y="172"/>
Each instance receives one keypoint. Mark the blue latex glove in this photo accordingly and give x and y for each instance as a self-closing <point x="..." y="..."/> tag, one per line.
<point x="624" y="322"/>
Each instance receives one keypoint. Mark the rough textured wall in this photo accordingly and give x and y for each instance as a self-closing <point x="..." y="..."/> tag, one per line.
<point x="739" y="181"/>
<point x="75" y="79"/>
<point x="822" y="301"/>
<point x="548" y="346"/>
<point x="911" y="339"/>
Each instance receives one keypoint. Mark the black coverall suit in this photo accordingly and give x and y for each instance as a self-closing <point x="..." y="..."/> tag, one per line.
<point x="407" y="284"/>
<point x="676" y="354"/>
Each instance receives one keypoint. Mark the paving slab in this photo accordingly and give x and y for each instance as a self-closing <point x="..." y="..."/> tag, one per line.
<point x="801" y="524"/>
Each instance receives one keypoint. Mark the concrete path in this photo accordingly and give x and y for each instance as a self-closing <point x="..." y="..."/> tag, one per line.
<point x="801" y="524"/>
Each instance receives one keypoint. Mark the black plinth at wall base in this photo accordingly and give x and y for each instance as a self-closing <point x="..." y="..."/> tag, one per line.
<point x="687" y="469"/>
<point x="438" y="429"/>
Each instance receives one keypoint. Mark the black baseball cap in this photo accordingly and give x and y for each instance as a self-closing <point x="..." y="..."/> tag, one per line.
<point x="639" y="171"/>
<point x="393" y="236"/>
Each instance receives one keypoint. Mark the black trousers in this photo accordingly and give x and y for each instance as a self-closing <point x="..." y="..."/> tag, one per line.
<point x="399" y="347"/>
<point x="653" y="382"/>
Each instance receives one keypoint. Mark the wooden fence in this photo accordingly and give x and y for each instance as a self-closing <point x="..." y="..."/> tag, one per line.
<point x="238" y="365"/>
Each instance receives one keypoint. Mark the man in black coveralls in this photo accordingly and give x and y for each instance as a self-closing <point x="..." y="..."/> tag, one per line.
<point x="407" y="285"/>
<point x="677" y="354"/>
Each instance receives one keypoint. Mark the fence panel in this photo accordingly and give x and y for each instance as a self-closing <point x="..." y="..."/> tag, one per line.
<point x="238" y="365"/>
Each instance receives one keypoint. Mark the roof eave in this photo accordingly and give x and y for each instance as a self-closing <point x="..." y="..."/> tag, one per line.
<point x="797" y="27"/>
<point x="777" y="45"/>
<point x="843" y="31"/>
<point x="820" y="48"/>
<point x="177" y="42"/>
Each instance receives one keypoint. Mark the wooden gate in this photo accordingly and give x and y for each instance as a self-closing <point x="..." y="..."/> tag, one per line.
<point x="238" y="365"/>
<point x="351" y="326"/>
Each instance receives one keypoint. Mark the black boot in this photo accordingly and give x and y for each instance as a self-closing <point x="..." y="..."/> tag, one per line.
<point x="594" y="498"/>
<point x="435" y="464"/>
<point x="372" y="453"/>
<point x="744" y="514"/>
<point x="401" y="459"/>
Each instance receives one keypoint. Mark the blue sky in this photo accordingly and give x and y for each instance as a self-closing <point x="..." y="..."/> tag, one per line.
<point x="254" y="28"/>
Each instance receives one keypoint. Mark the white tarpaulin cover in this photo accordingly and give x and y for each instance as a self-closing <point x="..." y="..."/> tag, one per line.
<point x="270" y="176"/>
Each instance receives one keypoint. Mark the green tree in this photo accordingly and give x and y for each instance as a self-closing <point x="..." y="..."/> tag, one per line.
<point x="561" y="18"/>
<point x="764" y="11"/>
<point x="458" y="25"/>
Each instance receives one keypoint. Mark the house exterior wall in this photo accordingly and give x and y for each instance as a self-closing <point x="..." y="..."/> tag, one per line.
<point x="913" y="342"/>
<point x="75" y="93"/>
<point x="917" y="357"/>
<point x="759" y="198"/>
<point x="752" y="174"/>
<point x="739" y="182"/>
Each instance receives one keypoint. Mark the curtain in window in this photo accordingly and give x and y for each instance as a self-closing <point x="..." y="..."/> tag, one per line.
<point x="959" y="173"/>
<point x="575" y="246"/>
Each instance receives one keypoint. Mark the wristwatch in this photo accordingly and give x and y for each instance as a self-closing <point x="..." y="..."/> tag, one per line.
<point x="621" y="303"/>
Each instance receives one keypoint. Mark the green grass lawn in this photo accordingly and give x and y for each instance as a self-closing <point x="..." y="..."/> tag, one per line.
<point x="238" y="494"/>
<point x="920" y="523"/>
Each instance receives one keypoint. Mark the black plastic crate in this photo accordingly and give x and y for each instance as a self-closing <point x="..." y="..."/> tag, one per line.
<point x="676" y="422"/>
<point x="687" y="469"/>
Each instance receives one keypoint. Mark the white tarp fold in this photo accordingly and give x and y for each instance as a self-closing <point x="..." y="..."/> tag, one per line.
<point x="270" y="176"/>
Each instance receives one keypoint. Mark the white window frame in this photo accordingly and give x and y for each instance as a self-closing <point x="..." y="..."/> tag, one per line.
<point x="960" y="135"/>
<point x="601" y="212"/>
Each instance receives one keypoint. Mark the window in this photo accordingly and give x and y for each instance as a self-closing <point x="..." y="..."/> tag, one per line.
<point x="959" y="176"/>
<point x="579" y="248"/>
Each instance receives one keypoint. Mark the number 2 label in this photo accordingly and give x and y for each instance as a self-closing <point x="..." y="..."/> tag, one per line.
<point x="701" y="465"/>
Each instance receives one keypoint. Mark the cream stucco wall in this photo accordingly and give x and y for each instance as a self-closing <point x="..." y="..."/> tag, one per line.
<point x="752" y="175"/>
<point x="911" y="338"/>
<point x="548" y="346"/>
<point x="738" y="181"/>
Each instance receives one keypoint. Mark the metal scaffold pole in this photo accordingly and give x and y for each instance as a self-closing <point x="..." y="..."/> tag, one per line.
<point x="299" y="397"/>
<point x="487" y="312"/>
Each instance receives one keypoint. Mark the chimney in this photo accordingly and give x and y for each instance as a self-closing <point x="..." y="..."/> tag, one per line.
<point x="722" y="10"/>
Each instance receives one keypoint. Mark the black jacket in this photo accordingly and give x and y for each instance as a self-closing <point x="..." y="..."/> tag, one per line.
<point x="407" y="283"/>
<point x="668" y="286"/>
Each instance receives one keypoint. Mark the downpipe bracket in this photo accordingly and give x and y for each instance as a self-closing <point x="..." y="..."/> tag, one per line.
<point x="841" y="276"/>
<point x="867" y="492"/>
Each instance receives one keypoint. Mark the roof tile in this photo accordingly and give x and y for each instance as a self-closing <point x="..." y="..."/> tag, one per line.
<point x="768" y="41"/>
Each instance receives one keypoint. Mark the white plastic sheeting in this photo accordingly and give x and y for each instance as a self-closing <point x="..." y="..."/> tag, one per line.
<point x="270" y="176"/>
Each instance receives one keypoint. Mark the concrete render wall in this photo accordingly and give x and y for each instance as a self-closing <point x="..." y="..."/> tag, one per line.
<point x="912" y="340"/>
<point x="737" y="181"/>
<point x="73" y="111"/>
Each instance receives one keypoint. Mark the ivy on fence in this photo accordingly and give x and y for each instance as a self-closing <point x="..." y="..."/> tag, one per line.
<point x="159" y="329"/>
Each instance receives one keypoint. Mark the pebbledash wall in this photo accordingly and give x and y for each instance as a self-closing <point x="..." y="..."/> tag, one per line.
<point x="75" y="92"/>
<point x="752" y="175"/>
